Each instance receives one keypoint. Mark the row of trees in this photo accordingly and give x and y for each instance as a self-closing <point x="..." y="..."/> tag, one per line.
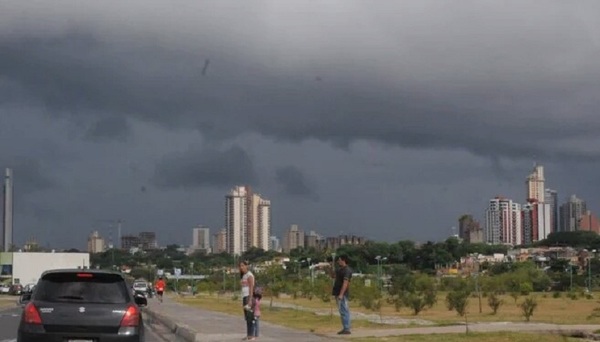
<point x="408" y="289"/>
<point x="363" y="258"/>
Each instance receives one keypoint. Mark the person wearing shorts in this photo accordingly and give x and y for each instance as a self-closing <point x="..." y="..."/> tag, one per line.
<point x="160" y="288"/>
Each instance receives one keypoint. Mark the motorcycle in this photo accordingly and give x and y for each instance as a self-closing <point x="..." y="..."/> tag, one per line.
<point x="140" y="298"/>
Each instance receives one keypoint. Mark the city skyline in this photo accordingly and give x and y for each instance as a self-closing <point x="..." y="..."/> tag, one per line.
<point x="391" y="118"/>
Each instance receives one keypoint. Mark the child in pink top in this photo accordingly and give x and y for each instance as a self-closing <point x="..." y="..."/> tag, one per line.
<point x="255" y="308"/>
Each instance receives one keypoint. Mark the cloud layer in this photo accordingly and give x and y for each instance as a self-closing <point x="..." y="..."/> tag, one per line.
<point x="396" y="107"/>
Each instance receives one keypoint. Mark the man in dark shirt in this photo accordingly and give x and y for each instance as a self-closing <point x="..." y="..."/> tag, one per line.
<point x="341" y="291"/>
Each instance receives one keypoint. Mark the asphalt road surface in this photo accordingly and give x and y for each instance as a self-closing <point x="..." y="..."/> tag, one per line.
<point x="9" y="322"/>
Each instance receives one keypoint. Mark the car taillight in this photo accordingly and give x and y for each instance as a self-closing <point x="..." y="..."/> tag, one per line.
<point x="131" y="317"/>
<point x="31" y="315"/>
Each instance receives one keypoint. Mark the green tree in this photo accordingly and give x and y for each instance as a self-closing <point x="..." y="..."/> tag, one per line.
<point x="417" y="291"/>
<point x="458" y="300"/>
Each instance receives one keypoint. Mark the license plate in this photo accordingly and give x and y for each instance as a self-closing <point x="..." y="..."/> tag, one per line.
<point x="80" y="340"/>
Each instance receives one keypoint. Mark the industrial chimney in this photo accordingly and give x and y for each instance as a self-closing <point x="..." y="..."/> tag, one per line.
<point x="7" y="224"/>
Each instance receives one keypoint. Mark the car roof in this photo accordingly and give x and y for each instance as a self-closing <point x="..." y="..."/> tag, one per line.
<point x="79" y="270"/>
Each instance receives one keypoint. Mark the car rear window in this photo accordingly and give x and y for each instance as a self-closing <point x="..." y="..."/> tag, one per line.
<point x="82" y="288"/>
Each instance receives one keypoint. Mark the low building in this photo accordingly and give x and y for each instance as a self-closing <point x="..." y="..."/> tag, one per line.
<point x="25" y="268"/>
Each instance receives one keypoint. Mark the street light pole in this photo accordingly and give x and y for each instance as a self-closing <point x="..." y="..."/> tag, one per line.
<point x="192" y="280"/>
<point x="378" y="258"/>
<point x="312" y="279"/>
<point x="571" y="277"/>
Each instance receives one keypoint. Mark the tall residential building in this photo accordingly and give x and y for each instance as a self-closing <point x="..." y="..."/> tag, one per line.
<point x="311" y="240"/>
<point x="274" y="244"/>
<point x="264" y="224"/>
<point x="201" y="238"/>
<point x="551" y="197"/>
<point x="535" y="184"/>
<point x="503" y="222"/>
<point x="130" y="241"/>
<point x="220" y="241"/>
<point x="590" y="222"/>
<point x="293" y="238"/>
<point x="95" y="243"/>
<point x="6" y="238"/>
<point x="469" y="229"/>
<point x="536" y="221"/>
<point x="236" y="219"/>
<point x="247" y="220"/>
<point x="148" y="240"/>
<point x="571" y="213"/>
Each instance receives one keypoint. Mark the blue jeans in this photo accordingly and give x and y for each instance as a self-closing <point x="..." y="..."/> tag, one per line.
<point x="253" y="327"/>
<point x="344" y="308"/>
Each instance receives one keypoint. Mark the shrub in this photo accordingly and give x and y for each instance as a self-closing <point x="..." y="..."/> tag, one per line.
<point x="528" y="307"/>
<point x="459" y="301"/>
<point x="495" y="303"/>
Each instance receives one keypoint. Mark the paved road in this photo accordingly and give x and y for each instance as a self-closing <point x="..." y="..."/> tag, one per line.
<point x="9" y="322"/>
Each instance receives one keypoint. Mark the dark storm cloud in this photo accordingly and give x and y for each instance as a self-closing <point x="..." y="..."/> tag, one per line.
<point x="206" y="167"/>
<point x="29" y="175"/>
<point x="294" y="182"/>
<point x="478" y="85"/>
<point x="112" y="128"/>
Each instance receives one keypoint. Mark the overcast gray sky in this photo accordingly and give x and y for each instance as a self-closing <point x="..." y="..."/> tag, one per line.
<point x="388" y="119"/>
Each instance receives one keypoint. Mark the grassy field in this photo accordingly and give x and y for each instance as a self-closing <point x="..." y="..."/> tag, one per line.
<point x="478" y="337"/>
<point x="550" y="310"/>
<point x="296" y="319"/>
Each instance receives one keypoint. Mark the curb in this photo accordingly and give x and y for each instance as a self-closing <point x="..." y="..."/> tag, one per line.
<point x="181" y="330"/>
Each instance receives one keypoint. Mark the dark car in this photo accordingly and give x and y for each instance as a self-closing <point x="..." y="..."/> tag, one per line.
<point x="16" y="290"/>
<point x="81" y="306"/>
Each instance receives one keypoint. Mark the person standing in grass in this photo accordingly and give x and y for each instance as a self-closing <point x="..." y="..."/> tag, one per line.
<point x="341" y="291"/>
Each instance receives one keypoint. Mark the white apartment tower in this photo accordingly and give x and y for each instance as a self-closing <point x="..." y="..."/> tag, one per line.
<point x="293" y="238"/>
<point x="503" y="222"/>
<point x="201" y="238"/>
<point x="264" y="224"/>
<point x="247" y="220"/>
<point x="535" y="184"/>
<point x="95" y="243"/>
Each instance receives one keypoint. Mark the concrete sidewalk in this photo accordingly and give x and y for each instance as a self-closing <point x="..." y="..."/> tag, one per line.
<point x="195" y="324"/>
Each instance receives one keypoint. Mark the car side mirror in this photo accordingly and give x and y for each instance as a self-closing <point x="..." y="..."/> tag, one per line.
<point x="24" y="299"/>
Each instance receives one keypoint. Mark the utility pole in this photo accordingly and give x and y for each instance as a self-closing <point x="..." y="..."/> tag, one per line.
<point x="192" y="280"/>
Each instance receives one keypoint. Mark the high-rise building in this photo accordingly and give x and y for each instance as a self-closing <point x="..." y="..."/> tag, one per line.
<point x="247" y="220"/>
<point x="503" y="222"/>
<point x="236" y="219"/>
<point x="551" y="197"/>
<point x="148" y="240"/>
<point x="264" y="224"/>
<point x="537" y="221"/>
<point x="95" y="243"/>
<point x="293" y="238"/>
<point x="535" y="184"/>
<point x="130" y="241"/>
<point x="6" y="238"/>
<point x="311" y="240"/>
<point x="469" y="229"/>
<point x="590" y="222"/>
<point x="571" y="213"/>
<point x="274" y="244"/>
<point x="201" y="238"/>
<point x="220" y="241"/>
